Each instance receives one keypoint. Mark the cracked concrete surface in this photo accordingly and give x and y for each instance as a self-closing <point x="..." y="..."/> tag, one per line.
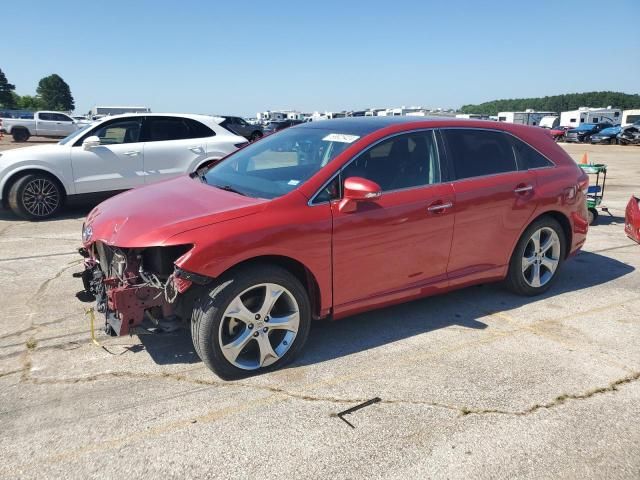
<point x="477" y="383"/>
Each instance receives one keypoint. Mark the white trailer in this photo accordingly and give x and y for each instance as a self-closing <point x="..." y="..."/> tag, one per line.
<point x="550" y="121"/>
<point x="630" y="116"/>
<point x="102" y="111"/>
<point x="573" y="118"/>
<point x="528" y="117"/>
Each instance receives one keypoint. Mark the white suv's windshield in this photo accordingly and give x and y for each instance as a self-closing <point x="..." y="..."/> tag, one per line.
<point x="278" y="163"/>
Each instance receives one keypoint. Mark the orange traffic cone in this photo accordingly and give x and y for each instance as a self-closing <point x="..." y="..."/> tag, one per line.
<point x="585" y="159"/>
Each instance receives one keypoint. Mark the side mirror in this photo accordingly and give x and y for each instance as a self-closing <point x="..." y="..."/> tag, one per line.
<point x="91" y="142"/>
<point x="358" y="189"/>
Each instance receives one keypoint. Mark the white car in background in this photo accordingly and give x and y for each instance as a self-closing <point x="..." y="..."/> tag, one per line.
<point x="42" y="124"/>
<point x="108" y="156"/>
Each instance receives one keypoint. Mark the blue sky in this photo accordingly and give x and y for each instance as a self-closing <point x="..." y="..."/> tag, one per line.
<point x="238" y="57"/>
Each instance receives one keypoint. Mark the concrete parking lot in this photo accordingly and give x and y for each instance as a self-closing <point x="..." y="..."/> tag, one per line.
<point x="478" y="383"/>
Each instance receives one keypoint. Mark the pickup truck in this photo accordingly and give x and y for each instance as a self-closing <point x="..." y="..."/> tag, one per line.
<point x="43" y="124"/>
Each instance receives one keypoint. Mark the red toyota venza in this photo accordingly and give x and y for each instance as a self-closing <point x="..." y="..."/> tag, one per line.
<point x="329" y="219"/>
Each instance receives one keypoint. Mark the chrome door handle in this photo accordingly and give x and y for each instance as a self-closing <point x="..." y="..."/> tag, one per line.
<point x="440" y="207"/>
<point x="131" y="153"/>
<point x="526" y="188"/>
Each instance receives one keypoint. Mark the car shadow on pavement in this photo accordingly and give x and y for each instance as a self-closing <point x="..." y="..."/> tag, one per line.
<point x="463" y="308"/>
<point x="606" y="219"/>
<point x="170" y="348"/>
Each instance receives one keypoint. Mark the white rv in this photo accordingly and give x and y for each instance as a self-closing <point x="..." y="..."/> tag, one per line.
<point x="528" y="117"/>
<point x="105" y="111"/>
<point x="573" y="118"/>
<point x="630" y="116"/>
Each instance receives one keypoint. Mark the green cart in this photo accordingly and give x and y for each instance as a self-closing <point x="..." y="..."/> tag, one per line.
<point x="595" y="193"/>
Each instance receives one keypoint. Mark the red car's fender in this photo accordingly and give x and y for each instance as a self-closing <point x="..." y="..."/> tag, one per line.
<point x="296" y="233"/>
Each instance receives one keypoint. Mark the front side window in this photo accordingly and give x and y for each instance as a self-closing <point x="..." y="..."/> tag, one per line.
<point x="119" y="132"/>
<point x="279" y="163"/>
<point x="403" y="161"/>
<point x="477" y="153"/>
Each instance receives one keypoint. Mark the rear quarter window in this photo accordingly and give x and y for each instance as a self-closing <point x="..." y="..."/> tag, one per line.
<point x="528" y="157"/>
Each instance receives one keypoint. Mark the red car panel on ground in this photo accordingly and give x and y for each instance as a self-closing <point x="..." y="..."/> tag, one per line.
<point x="632" y="219"/>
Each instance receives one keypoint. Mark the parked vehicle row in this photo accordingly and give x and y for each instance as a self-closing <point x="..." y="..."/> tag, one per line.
<point x="598" y="133"/>
<point x="111" y="155"/>
<point x="584" y="132"/>
<point x="329" y="219"/>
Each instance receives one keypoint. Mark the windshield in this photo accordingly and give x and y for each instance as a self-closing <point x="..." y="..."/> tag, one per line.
<point x="74" y="135"/>
<point x="278" y="163"/>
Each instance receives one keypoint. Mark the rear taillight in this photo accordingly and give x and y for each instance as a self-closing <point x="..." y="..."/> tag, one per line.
<point x="583" y="185"/>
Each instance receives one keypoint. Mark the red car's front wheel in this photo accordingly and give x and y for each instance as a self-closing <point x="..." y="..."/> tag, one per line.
<point x="255" y="319"/>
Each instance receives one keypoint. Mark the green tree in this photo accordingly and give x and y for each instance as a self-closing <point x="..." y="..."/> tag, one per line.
<point x="55" y="94"/>
<point x="7" y="99"/>
<point x="28" y="102"/>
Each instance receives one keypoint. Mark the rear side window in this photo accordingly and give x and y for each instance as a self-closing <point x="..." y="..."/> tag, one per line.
<point x="476" y="153"/>
<point x="175" y="128"/>
<point x="59" y="117"/>
<point x="527" y="156"/>
<point x="46" y="116"/>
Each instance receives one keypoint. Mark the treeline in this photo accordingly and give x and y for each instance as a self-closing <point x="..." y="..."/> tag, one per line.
<point x="53" y="93"/>
<point x="557" y="103"/>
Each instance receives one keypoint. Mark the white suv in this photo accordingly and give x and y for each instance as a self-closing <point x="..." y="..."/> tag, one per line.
<point x="114" y="154"/>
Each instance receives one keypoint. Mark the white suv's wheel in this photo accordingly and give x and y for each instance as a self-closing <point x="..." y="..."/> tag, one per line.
<point x="35" y="197"/>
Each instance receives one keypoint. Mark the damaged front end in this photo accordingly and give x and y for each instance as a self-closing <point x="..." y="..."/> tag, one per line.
<point x="130" y="284"/>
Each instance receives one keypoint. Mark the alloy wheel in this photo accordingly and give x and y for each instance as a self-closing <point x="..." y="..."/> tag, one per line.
<point x="259" y="326"/>
<point x="40" y="197"/>
<point x="541" y="257"/>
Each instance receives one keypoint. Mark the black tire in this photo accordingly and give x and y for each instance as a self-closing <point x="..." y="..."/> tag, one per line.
<point x="20" y="134"/>
<point x="592" y="213"/>
<point x="257" y="135"/>
<point x="515" y="280"/>
<point x="210" y="307"/>
<point x="613" y="141"/>
<point x="48" y="204"/>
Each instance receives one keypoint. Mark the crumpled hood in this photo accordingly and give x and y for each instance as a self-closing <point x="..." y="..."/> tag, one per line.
<point x="151" y="215"/>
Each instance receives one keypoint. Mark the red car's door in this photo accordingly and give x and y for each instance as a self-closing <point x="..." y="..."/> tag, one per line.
<point x="396" y="246"/>
<point x="493" y="202"/>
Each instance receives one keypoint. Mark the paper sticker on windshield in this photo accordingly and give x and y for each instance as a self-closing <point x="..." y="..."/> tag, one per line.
<point x="340" y="137"/>
<point x="293" y="182"/>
